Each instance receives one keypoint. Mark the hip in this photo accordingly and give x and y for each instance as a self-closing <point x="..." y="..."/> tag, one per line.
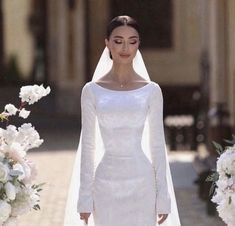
<point x="124" y="167"/>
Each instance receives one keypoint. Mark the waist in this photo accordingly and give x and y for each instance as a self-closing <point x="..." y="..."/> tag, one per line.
<point x="134" y="154"/>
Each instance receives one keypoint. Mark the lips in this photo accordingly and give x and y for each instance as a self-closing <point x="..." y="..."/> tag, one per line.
<point x="124" y="55"/>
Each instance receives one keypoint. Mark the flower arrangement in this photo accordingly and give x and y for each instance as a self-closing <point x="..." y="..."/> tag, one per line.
<point x="18" y="194"/>
<point x="223" y="186"/>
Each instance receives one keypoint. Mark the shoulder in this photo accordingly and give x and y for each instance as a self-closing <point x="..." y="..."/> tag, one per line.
<point x="87" y="87"/>
<point x="156" y="93"/>
<point x="156" y="87"/>
<point x="87" y="90"/>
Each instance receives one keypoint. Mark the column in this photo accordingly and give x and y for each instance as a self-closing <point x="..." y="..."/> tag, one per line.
<point x="1" y="42"/>
<point x="218" y="104"/>
<point x="231" y="60"/>
<point x="66" y="53"/>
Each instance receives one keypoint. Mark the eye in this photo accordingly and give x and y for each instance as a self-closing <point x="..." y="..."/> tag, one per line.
<point x="118" y="41"/>
<point x="133" y="42"/>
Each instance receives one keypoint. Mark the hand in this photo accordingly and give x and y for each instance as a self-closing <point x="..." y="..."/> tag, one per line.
<point x="85" y="216"/>
<point x="162" y="218"/>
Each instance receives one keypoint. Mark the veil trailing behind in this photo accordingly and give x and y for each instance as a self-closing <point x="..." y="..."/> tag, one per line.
<point x="72" y="217"/>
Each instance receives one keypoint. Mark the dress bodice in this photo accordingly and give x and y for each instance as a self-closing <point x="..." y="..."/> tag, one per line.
<point x="121" y="116"/>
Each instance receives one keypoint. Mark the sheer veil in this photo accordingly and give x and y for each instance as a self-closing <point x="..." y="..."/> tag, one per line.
<point x="72" y="218"/>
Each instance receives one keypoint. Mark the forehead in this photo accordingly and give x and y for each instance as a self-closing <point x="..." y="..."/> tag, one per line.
<point x="124" y="31"/>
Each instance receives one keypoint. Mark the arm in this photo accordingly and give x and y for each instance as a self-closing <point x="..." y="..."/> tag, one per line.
<point x="157" y="149"/>
<point x="88" y="119"/>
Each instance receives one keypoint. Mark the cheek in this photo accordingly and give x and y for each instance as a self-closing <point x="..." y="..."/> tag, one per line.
<point x="134" y="49"/>
<point x="116" y="48"/>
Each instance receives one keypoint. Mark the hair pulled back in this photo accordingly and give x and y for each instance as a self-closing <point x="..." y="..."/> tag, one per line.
<point x="121" y="21"/>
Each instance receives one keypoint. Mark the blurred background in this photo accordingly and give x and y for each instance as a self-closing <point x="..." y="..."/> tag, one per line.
<point x="189" y="50"/>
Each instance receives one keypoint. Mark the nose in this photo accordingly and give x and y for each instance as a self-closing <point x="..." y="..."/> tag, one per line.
<point x="125" y="46"/>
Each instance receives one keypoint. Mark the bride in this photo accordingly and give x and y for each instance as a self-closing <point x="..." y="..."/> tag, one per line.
<point x="121" y="174"/>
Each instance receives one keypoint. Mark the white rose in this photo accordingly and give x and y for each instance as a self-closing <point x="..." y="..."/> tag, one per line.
<point x="10" y="191"/>
<point x="33" y="172"/>
<point x="24" y="113"/>
<point x="4" y="170"/>
<point x="20" y="168"/>
<point x="5" y="210"/>
<point x="11" y="109"/>
<point x="12" y="221"/>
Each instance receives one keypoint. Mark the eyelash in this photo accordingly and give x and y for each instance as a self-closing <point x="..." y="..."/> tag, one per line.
<point x="119" y="42"/>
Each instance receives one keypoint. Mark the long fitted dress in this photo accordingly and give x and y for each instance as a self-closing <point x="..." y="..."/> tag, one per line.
<point x="126" y="189"/>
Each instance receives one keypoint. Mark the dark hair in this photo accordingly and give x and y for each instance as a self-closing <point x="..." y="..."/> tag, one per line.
<point x="121" y="21"/>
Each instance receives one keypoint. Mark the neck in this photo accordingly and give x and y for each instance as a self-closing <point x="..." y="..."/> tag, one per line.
<point x="122" y="72"/>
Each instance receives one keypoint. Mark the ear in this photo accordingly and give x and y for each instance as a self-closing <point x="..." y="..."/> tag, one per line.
<point x="107" y="42"/>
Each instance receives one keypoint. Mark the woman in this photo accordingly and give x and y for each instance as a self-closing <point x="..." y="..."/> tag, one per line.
<point x="124" y="188"/>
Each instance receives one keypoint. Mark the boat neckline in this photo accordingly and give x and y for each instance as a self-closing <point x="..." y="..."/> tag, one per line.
<point x="115" y="90"/>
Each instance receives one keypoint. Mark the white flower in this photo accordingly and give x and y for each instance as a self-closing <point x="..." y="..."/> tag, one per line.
<point x="24" y="113"/>
<point x="16" y="152"/>
<point x="4" y="170"/>
<point x="10" y="134"/>
<point x="222" y="184"/>
<point x="12" y="221"/>
<point x="19" y="168"/>
<point x="29" y="136"/>
<point x="11" y="109"/>
<point x="25" y="200"/>
<point x="10" y="190"/>
<point x="27" y="170"/>
<point x="32" y="94"/>
<point x="21" y="140"/>
<point x="5" y="210"/>
<point x="225" y="191"/>
<point x="33" y="172"/>
<point x="2" y="156"/>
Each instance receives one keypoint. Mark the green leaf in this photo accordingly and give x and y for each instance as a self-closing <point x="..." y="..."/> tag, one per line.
<point x="212" y="189"/>
<point x="42" y="184"/>
<point x="3" y="117"/>
<point x="230" y="141"/>
<point x="21" y="183"/>
<point x="35" y="186"/>
<point x="36" y="207"/>
<point x="218" y="147"/>
<point x="213" y="177"/>
<point x="229" y="200"/>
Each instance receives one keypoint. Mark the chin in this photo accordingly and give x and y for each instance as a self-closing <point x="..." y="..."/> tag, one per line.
<point x="125" y="60"/>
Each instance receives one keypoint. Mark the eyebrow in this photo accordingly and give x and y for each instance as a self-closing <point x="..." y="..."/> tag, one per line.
<point x="117" y="36"/>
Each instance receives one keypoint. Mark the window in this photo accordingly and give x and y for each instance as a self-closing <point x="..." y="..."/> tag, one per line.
<point x="155" y="18"/>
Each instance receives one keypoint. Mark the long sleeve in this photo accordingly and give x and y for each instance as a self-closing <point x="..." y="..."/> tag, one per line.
<point x="157" y="150"/>
<point x="88" y="120"/>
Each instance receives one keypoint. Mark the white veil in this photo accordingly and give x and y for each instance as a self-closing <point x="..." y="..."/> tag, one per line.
<point x="72" y="217"/>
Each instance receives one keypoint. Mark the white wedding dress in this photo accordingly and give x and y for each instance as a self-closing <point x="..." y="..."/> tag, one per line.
<point x="127" y="188"/>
